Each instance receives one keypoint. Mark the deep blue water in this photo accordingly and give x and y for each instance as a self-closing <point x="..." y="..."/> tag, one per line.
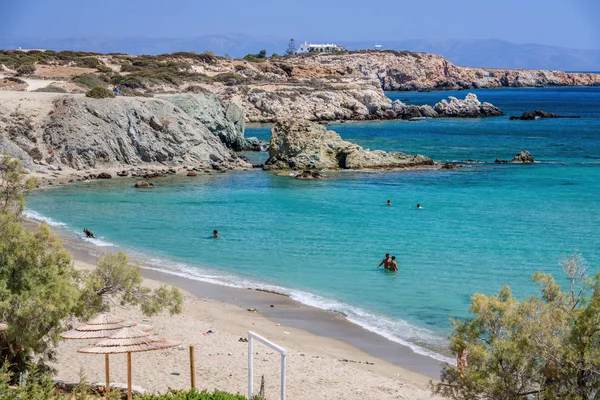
<point x="481" y="227"/>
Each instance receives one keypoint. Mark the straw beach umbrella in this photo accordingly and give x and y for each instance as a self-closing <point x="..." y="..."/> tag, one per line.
<point x="3" y="326"/>
<point x="130" y="339"/>
<point x="101" y="327"/>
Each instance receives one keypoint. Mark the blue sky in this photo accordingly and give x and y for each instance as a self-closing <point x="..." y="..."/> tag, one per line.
<point x="568" y="23"/>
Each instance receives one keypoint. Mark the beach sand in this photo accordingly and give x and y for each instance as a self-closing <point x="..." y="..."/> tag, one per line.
<point x="315" y="364"/>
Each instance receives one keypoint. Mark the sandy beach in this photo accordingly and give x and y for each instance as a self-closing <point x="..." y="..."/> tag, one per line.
<point x="317" y="366"/>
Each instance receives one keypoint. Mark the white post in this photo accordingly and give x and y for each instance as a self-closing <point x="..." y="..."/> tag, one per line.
<point x="250" y="368"/>
<point x="281" y="350"/>
<point x="283" y="377"/>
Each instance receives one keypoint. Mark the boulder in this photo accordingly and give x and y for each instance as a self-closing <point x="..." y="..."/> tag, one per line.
<point x="144" y="184"/>
<point x="524" y="157"/>
<point x="123" y="173"/>
<point x="304" y="145"/>
<point x="539" y="114"/>
<point x="470" y="107"/>
<point x="104" y="175"/>
<point x="192" y="173"/>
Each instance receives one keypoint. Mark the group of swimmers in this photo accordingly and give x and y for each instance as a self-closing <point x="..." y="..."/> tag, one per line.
<point x="389" y="263"/>
<point x="389" y="203"/>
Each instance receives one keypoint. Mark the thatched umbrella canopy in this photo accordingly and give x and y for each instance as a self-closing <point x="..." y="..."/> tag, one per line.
<point x="130" y="339"/>
<point x="100" y="327"/>
<point x="3" y="326"/>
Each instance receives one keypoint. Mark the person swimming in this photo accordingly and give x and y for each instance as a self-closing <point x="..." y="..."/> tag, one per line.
<point x="389" y="203"/>
<point x="393" y="265"/>
<point x="215" y="234"/>
<point x="419" y="206"/>
<point x="385" y="262"/>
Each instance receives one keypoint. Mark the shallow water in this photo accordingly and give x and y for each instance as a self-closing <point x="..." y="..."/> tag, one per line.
<point x="481" y="227"/>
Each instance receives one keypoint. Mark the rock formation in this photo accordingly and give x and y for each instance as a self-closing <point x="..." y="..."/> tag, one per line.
<point x="303" y="145"/>
<point x="523" y="157"/>
<point x="226" y="120"/>
<point x="71" y="131"/>
<point x="539" y="114"/>
<point x="468" y="108"/>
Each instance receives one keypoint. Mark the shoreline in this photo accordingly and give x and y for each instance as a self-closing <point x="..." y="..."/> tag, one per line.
<point x="286" y="311"/>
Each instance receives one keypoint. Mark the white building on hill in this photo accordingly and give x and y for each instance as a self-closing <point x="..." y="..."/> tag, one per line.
<point x="319" y="48"/>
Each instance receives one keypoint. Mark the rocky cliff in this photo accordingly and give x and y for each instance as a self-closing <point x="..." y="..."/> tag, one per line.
<point x="301" y="145"/>
<point x="422" y="71"/>
<point x="75" y="132"/>
<point x="226" y="120"/>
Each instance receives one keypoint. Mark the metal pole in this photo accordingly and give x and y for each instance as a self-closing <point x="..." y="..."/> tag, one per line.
<point x="283" y="377"/>
<point x="129" y="395"/>
<point x="192" y="368"/>
<point x="250" y="371"/>
<point x="107" y="371"/>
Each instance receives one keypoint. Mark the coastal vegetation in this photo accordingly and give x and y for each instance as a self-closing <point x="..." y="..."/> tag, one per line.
<point x="42" y="293"/>
<point x="99" y="92"/>
<point x="547" y="345"/>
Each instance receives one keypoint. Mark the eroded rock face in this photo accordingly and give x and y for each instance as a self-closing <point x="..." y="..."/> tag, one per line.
<point x="304" y="145"/>
<point x="470" y="107"/>
<point x="79" y="133"/>
<point x="226" y="120"/>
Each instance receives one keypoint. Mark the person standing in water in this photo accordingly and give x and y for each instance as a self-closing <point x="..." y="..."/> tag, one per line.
<point x="393" y="265"/>
<point x="389" y="202"/>
<point x="215" y="234"/>
<point x="385" y="262"/>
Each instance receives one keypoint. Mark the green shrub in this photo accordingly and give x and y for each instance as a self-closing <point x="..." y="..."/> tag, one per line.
<point x="89" y="80"/>
<point x="193" y="395"/>
<point x="51" y="89"/>
<point x="99" y="92"/>
<point x="26" y="69"/>
<point x="103" y="68"/>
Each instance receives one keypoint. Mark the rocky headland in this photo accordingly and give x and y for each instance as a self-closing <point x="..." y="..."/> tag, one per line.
<point x="316" y="87"/>
<point x="51" y="132"/>
<point x="304" y="145"/>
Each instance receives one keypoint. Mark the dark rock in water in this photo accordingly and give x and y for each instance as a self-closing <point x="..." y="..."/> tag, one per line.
<point x="524" y="157"/>
<point x="144" y="184"/>
<point x="450" y="165"/>
<point x="103" y="175"/>
<point x="258" y="165"/>
<point x="253" y="144"/>
<point x="151" y="175"/>
<point x="539" y="114"/>
<point x="192" y="173"/>
<point x="308" y="175"/>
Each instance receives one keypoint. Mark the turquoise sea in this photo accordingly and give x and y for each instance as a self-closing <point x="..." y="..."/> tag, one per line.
<point x="481" y="227"/>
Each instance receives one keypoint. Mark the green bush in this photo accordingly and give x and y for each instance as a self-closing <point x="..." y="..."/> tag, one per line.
<point x="26" y="69"/>
<point x="89" y="80"/>
<point x="193" y="395"/>
<point x="51" y="89"/>
<point x="99" y="92"/>
<point x="103" y="68"/>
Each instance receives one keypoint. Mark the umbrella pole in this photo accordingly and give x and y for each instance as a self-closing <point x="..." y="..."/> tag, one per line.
<point x="107" y="371"/>
<point x="192" y="368"/>
<point x="129" y="396"/>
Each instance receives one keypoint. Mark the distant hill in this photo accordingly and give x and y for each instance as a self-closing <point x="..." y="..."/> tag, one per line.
<point x="489" y="53"/>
